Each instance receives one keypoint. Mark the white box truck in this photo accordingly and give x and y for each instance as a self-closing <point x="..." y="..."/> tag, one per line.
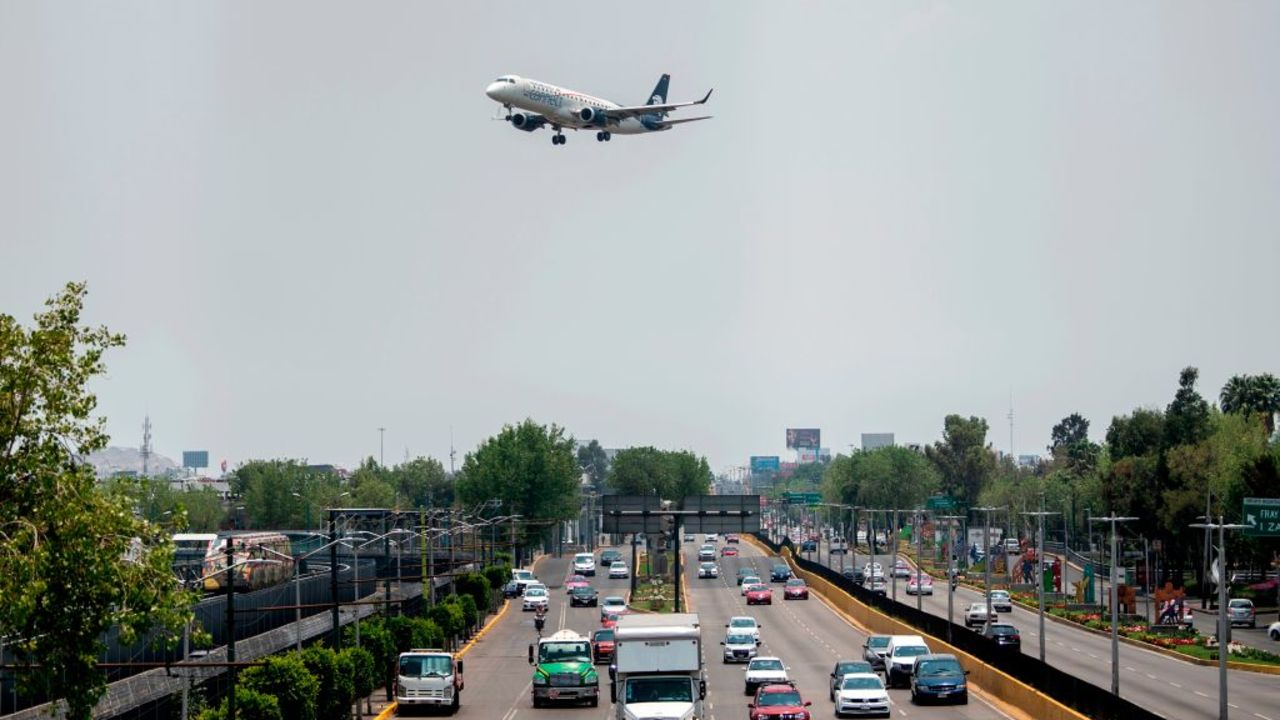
<point x="657" y="671"/>
<point x="428" y="679"/>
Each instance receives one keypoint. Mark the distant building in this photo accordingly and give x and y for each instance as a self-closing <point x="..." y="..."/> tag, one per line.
<point x="871" y="441"/>
<point x="1028" y="461"/>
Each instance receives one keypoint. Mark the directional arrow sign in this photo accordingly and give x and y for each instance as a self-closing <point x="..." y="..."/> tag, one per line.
<point x="1262" y="515"/>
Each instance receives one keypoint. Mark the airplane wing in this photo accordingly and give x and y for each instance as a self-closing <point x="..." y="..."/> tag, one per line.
<point x="665" y="123"/>
<point x="636" y="110"/>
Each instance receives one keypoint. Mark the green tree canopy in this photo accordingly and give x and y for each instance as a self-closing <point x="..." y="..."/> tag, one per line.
<point x="962" y="457"/>
<point x="531" y="468"/>
<point x="422" y="482"/>
<point x="75" y="560"/>
<point x="668" y="474"/>
<point x="886" y="477"/>
<point x="1187" y="417"/>
<point x="286" y="493"/>
<point x="594" y="462"/>
<point x="1249" y="394"/>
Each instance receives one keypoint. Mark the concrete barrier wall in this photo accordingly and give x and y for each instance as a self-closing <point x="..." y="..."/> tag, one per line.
<point x="992" y="681"/>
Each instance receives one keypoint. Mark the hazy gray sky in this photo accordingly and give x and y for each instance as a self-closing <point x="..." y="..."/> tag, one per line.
<point x="303" y="218"/>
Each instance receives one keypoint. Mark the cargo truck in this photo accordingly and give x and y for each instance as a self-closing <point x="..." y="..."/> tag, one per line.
<point x="657" y="672"/>
<point x="563" y="670"/>
<point x="428" y="679"/>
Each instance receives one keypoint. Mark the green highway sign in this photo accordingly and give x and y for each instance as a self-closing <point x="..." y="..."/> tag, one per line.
<point x="803" y="498"/>
<point x="1262" y="516"/>
<point x="940" y="502"/>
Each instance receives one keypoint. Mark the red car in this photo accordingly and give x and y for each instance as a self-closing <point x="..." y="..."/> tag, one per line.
<point x="575" y="581"/>
<point x="609" y="621"/>
<point x="602" y="646"/>
<point x="778" y="700"/>
<point x="795" y="589"/>
<point x="727" y="551"/>
<point x="760" y="594"/>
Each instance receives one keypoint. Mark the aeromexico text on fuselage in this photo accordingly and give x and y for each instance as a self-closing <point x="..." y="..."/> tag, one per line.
<point x="532" y="104"/>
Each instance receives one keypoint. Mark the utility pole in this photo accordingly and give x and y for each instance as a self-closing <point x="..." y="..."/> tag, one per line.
<point x="382" y="433"/>
<point x="231" y="628"/>
<point x="951" y="566"/>
<point x="1224" y="619"/>
<point x="1115" y="595"/>
<point x="988" y="555"/>
<point x="918" y="531"/>
<point x="894" y="556"/>
<point x="1040" y="516"/>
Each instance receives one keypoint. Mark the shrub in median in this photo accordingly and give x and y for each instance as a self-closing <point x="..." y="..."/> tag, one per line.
<point x="287" y="679"/>
<point x="250" y="705"/>
<point x="335" y="674"/>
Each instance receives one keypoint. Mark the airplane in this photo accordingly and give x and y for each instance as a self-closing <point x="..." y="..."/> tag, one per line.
<point x="542" y="104"/>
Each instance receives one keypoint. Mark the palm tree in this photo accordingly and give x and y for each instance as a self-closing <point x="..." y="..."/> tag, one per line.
<point x="1250" y="394"/>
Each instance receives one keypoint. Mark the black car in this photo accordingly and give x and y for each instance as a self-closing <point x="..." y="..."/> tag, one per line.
<point x="608" y="557"/>
<point x="842" y="668"/>
<point x="855" y="574"/>
<point x="780" y="573"/>
<point x="873" y="650"/>
<point x="1004" y="635"/>
<point x="809" y="546"/>
<point x="511" y="590"/>
<point x="583" y="597"/>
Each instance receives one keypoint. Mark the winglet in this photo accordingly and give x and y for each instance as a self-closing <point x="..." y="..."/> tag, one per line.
<point x="708" y="97"/>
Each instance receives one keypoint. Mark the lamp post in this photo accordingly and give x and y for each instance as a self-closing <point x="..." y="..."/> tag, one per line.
<point x="1115" y="594"/>
<point x="1224" y="619"/>
<point x="987" y="554"/>
<point x="1040" y="516"/>
<point x="951" y="567"/>
<point x="918" y="531"/>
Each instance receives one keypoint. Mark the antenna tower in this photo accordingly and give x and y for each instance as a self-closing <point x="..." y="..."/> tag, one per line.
<point x="451" y="452"/>
<point x="145" y="450"/>
<point x="1011" y="455"/>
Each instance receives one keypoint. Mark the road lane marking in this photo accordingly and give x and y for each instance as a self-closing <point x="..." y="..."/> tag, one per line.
<point x="1174" y="684"/>
<point x="1200" y="693"/>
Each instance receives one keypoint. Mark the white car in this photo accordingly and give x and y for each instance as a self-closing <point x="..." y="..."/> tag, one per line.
<point x="744" y="624"/>
<point x="1273" y="631"/>
<point x="523" y="577"/>
<point x="872" y="570"/>
<point x="925" y="588"/>
<point x="749" y="580"/>
<point x="1012" y="547"/>
<point x="584" y="564"/>
<point x="978" y="614"/>
<point x="708" y="570"/>
<point x="739" y="646"/>
<point x="1000" y="601"/>
<point x="862" y="694"/>
<point x="613" y="605"/>
<point x="707" y="552"/>
<point x="712" y="537"/>
<point x="901" y="569"/>
<point x="763" y="670"/>
<point x="900" y="657"/>
<point x="619" y="570"/>
<point x="535" y="596"/>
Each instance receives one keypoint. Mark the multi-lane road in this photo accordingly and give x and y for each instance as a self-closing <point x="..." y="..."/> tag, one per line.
<point x="1164" y="685"/>
<point x="807" y="634"/>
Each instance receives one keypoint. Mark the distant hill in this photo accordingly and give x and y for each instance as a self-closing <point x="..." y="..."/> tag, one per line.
<point x="126" y="459"/>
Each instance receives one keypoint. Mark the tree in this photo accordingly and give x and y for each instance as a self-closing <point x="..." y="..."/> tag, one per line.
<point x="690" y="475"/>
<point x="641" y="471"/>
<point x="1074" y="428"/>
<point x="1249" y="394"/>
<point x="962" y="457"/>
<point x="250" y="705"/>
<point x="531" y="468"/>
<point x="365" y="675"/>
<point x="287" y="679"/>
<point x="894" y="477"/>
<point x="285" y="493"/>
<point x="594" y="461"/>
<point x="75" y="559"/>
<point x="808" y="474"/>
<point x="1136" y="434"/>
<point x="1187" y="417"/>
<point x="422" y="482"/>
<point x="1071" y="447"/>
<point x="840" y="480"/>
<point x="335" y="676"/>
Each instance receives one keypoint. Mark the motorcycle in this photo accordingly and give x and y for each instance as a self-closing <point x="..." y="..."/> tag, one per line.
<point x="540" y="620"/>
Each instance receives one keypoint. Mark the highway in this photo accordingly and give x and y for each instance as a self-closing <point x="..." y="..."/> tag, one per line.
<point x="1167" y="686"/>
<point x="806" y="634"/>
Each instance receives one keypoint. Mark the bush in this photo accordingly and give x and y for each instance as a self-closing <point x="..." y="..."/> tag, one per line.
<point x="337" y="686"/>
<point x="498" y="575"/>
<point x="502" y="557"/>
<point x="286" y="677"/>
<point x="427" y="634"/>
<point x="470" y="611"/>
<point x="250" y="705"/>
<point x="365" y="675"/>
<point x="478" y="588"/>
<point x="448" y="617"/>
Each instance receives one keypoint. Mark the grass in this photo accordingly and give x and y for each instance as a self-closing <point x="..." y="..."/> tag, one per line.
<point x="1242" y="654"/>
<point x="654" y="595"/>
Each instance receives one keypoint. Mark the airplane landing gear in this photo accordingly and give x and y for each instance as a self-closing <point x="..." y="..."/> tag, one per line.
<point x="558" y="138"/>
<point x="604" y="136"/>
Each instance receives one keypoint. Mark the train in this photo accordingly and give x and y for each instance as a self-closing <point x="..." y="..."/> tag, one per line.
<point x="200" y="559"/>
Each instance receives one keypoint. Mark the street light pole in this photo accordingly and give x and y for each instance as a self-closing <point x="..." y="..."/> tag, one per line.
<point x="1040" y="516"/>
<point x="1224" y="621"/>
<point x="918" y="531"/>
<point x="1115" y="596"/>
<point x="951" y="566"/>
<point x="988" y="556"/>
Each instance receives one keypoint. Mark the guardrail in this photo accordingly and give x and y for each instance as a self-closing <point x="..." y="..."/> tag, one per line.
<point x="1081" y="696"/>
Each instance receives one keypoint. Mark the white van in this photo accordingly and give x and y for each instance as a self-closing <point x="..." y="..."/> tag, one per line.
<point x="584" y="563"/>
<point x="900" y="657"/>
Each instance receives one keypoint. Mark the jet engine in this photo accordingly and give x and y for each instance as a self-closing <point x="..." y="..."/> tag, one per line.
<point x="527" y="122"/>
<point x="592" y="116"/>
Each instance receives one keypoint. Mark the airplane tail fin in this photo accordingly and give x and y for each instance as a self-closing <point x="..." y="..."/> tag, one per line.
<point x="659" y="94"/>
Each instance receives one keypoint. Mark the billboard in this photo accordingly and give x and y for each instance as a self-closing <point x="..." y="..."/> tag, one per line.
<point x="195" y="458"/>
<point x="871" y="441"/>
<point x="765" y="463"/>
<point x="803" y="438"/>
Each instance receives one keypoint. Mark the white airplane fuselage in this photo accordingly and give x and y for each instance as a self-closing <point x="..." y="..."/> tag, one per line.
<point x="564" y="108"/>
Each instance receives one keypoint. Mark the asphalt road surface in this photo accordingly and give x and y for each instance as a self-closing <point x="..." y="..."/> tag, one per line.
<point x="806" y="634"/>
<point x="1164" y="685"/>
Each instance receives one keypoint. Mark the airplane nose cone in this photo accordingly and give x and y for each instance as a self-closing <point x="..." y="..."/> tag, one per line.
<point x="494" y="89"/>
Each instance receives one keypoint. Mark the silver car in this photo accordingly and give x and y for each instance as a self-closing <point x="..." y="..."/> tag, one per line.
<point x="1240" y="611"/>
